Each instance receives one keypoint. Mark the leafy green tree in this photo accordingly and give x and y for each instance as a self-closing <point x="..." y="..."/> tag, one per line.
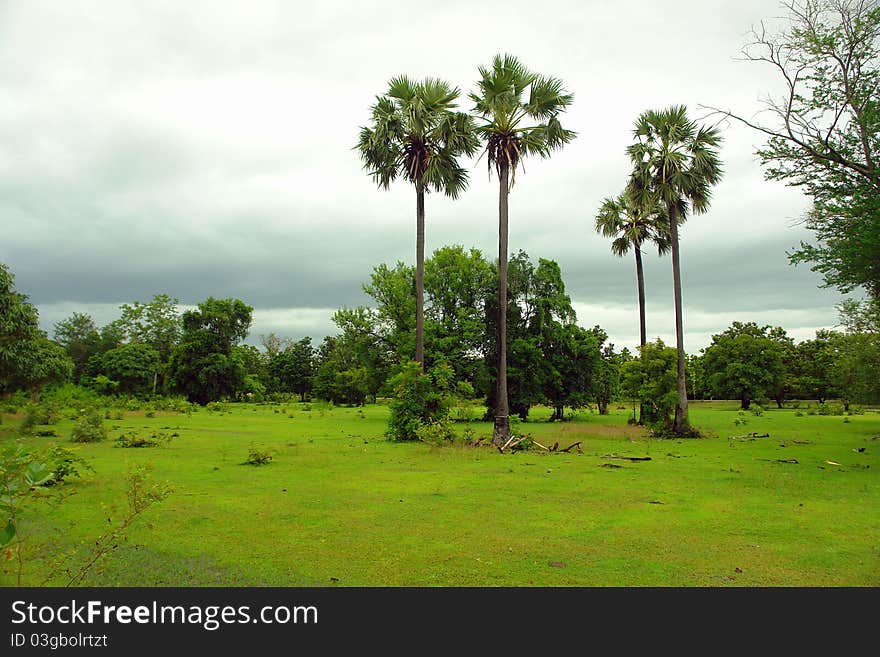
<point x="676" y="164"/>
<point x="812" y="367"/>
<point x="134" y="366"/>
<point x="420" y="399"/>
<point x="416" y="135"/>
<point x="653" y="378"/>
<point x="744" y="362"/>
<point x="293" y="367"/>
<point x="19" y="333"/>
<point x="823" y="131"/>
<point x="250" y="358"/>
<point x="605" y="383"/>
<point x="156" y="323"/>
<point x="854" y="372"/>
<point x="457" y="283"/>
<point x="518" y="113"/>
<point x="204" y="365"/>
<point x="78" y="334"/>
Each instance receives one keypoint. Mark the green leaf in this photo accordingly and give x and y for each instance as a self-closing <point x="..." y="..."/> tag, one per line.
<point x="7" y="534"/>
<point x="37" y="474"/>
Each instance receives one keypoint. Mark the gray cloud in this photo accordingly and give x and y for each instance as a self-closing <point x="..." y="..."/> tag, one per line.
<point x="204" y="148"/>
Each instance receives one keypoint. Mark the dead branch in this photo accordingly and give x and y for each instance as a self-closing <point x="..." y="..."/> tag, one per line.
<point x="572" y="446"/>
<point x="626" y="458"/>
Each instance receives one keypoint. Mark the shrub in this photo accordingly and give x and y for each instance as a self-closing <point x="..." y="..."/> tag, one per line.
<point x="798" y="414"/>
<point x="257" y="457"/>
<point x="64" y="463"/>
<point x="89" y="429"/>
<point x="757" y="410"/>
<point x="829" y="409"/>
<point x="134" y="440"/>
<point x="436" y="433"/>
<point x="420" y="399"/>
<point x="35" y="414"/>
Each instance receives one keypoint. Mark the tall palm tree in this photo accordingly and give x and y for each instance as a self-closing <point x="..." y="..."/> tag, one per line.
<point x="417" y="135"/>
<point x="675" y="162"/>
<point x="631" y="225"/>
<point x="518" y="116"/>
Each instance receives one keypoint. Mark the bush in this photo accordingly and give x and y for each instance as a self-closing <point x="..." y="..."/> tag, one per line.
<point x="133" y="440"/>
<point x="829" y="409"/>
<point x="64" y="463"/>
<point x="420" y="399"/>
<point x="436" y="433"/>
<point x="35" y="414"/>
<point x="757" y="410"/>
<point x="257" y="457"/>
<point x="89" y="429"/>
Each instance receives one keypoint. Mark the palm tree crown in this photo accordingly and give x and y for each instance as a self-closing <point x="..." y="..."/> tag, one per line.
<point x="513" y="125"/>
<point x="417" y="135"/>
<point x="675" y="161"/>
<point x="631" y="224"/>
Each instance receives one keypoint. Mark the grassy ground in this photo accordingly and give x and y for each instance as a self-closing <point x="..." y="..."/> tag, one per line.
<point x="341" y="506"/>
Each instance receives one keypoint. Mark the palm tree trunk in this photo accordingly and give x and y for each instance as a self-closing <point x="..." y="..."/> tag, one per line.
<point x="501" y="434"/>
<point x="420" y="275"/>
<point x="640" y="277"/>
<point x="681" y="422"/>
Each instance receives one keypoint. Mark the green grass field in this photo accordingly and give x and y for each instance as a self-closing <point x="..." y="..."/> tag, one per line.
<point x="339" y="505"/>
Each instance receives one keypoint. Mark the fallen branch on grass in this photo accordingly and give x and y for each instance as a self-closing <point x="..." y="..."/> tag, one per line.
<point x="780" y="460"/>
<point x="626" y="458"/>
<point x="750" y="436"/>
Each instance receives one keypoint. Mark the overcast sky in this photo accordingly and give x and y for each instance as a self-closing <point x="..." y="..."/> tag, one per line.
<point x="205" y="149"/>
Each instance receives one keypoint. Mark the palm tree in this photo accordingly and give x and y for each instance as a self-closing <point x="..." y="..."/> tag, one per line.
<point x="675" y="163"/>
<point x="416" y="135"/>
<point x="631" y="225"/>
<point x="518" y="113"/>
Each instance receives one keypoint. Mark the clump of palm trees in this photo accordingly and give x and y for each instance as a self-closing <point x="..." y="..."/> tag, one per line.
<point x="418" y="134"/>
<point x="675" y="165"/>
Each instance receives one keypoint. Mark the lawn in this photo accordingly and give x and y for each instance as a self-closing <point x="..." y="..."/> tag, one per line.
<point x="339" y="505"/>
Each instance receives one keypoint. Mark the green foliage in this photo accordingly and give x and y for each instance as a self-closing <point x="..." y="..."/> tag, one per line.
<point x="19" y="331"/>
<point x="518" y="113"/>
<point x="64" y="463"/>
<point x="257" y="456"/>
<point x="156" y="324"/>
<point x="653" y="379"/>
<point x="133" y="367"/>
<point x="89" y="429"/>
<point x="204" y="365"/>
<point x="745" y="362"/>
<point x="36" y="414"/>
<point x="22" y="473"/>
<point x="78" y="334"/>
<point x="436" y="433"/>
<point x="291" y="369"/>
<point x="421" y="399"/>
<point x="417" y="135"/>
<point x="134" y="440"/>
